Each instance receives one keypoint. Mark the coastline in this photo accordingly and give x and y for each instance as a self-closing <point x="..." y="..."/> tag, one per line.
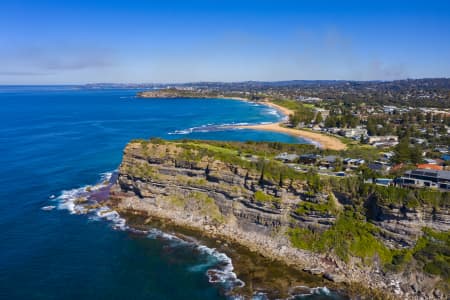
<point x="246" y="259"/>
<point x="250" y="255"/>
<point x="348" y="283"/>
<point x="324" y="141"/>
<point x="321" y="140"/>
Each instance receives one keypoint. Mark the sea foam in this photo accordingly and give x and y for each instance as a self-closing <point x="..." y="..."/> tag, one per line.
<point x="219" y="269"/>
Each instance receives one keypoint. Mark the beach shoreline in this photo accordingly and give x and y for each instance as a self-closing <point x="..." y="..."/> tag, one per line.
<point x="321" y="140"/>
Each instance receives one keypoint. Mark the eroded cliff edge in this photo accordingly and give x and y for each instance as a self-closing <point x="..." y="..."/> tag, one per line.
<point x="304" y="220"/>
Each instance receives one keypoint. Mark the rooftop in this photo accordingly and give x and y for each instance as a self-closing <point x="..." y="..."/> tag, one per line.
<point x="429" y="173"/>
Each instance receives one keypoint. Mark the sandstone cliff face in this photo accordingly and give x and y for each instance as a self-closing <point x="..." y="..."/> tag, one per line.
<point x="227" y="199"/>
<point x="402" y="226"/>
<point x="169" y="182"/>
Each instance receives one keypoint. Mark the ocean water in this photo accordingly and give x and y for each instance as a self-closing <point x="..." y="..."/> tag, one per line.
<point x="54" y="140"/>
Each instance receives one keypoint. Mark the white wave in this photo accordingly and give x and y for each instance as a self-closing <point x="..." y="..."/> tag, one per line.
<point x="113" y="216"/>
<point x="272" y="111"/>
<point x="309" y="292"/>
<point x="224" y="273"/>
<point x="220" y="270"/>
<point x="156" y="233"/>
<point x="200" y="267"/>
<point x="184" y="131"/>
<point x="68" y="198"/>
<point x="255" y="296"/>
<point x="209" y="128"/>
<point x="48" y="207"/>
<point x="106" y="176"/>
<point x="67" y="201"/>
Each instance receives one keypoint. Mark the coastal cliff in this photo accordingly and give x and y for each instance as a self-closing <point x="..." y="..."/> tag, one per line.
<point x="174" y="93"/>
<point x="299" y="219"/>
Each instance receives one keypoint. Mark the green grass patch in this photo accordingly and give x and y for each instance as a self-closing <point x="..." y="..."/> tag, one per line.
<point x="322" y="208"/>
<point x="349" y="236"/>
<point x="262" y="197"/>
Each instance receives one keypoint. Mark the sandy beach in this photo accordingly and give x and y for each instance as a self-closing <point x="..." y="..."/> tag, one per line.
<point x="324" y="141"/>
<point x="286" y="111"/>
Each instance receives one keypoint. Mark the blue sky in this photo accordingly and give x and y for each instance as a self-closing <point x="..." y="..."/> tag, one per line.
<point x="57" y="42"/>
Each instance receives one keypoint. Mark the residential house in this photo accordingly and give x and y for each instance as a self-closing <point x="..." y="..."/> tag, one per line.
<point x="379" y="166"/>
<point x="382" y="138"/>
<point x="425" y="178"/>
<point x="308" y="158"/>
<point x="429" y="167"/>
<point x="353" y="163"/>
<point x="287" y="158"/>
<point x="328" y="161"/>
<point x="353" y="132"/>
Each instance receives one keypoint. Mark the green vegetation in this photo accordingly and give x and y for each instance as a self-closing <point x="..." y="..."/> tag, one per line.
<point x="433" y="252"/>
<point x="234" y="153"/>
<point x="327" y="207"/>
<point x="302" y="113"/>
<point x="142" y="171"/>
<point x="343" y="119"/>
<point x="206" y="205"/>
<point x="352" y="235"/>
<point x="408" y="198"/>
<point x="358" y="191"/>
<point x="349" y="236"/>
<point x="262" y="197"/>
<point x="404" y="153"/>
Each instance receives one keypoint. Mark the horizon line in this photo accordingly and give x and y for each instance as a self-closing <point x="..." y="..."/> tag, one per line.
<point x="225" y="82"/>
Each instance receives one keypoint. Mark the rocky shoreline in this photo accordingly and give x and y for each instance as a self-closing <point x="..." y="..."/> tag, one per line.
<point x="302" y="261"/>
<point x="255" y="270"/>
<point x="157" y="180"/>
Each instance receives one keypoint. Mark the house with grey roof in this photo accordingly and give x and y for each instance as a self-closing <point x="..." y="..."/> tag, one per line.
<point x="286" y="157"/>
<point x="425" y="178"/>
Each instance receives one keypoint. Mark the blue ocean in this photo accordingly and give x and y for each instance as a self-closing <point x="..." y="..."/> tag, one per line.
<point x="55" y="139"/>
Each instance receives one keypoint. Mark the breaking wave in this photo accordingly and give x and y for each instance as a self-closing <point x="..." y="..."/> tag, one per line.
<point x="219" y="267"/>
<point x="209" y="128"/>
<point x="90" y="200"/>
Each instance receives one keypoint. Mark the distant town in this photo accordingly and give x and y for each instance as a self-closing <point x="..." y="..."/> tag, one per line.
<point x="397" y="133"/>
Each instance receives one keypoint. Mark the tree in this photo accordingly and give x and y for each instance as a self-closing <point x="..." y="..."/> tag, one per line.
<point x="362" y="140"/>
<point x="402" y="151"/>
<point x="338" y="165"/>
<point x="371" y="127"/>
<point x="415" y="155"/>
<point x="319" y="118"/>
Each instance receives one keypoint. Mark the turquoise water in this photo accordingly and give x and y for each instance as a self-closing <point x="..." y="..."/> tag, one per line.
<point x="55" y="139"/>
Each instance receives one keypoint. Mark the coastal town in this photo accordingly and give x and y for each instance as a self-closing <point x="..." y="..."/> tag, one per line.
<point x="400" y="145"/>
